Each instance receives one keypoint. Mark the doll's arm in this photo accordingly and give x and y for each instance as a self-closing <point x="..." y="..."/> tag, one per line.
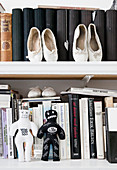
<point x="13" y="128"/>
<point x="61" y="133"/>
<point x="40" y="132"/>
<point x="34" y="129"/>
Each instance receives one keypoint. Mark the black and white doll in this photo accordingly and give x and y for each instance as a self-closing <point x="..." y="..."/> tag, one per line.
<point x="51" y="129"/>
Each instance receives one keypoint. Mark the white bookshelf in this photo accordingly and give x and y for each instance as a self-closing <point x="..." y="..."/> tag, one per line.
<point x="62" y="165"/>
<point x="11" y="71"/>
<point x="100" y="70"/>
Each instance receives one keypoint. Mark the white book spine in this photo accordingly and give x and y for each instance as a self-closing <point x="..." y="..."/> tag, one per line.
<point x="55" y="107"/>
<point x="37" y="118"/>
<point x="10" y="138"/>
<point x="85" y="124"/>
<point x="62" y="124"/>
<point x="81" y="128"/>
<point x="46" y="106"/>
<point x="67" y="131"/>
<point x="99" y="129"/>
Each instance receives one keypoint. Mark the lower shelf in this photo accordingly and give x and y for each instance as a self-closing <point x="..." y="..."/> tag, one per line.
<point x="62" y="165"/>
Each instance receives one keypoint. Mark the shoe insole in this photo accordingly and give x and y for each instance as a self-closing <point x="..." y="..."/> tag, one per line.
<point x="34" y="43"/>
<point x="80" y="40"/>
<point x="93" y="42"/>
<point x="49" y="41"/>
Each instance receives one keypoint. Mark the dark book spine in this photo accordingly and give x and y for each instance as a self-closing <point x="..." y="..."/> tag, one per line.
<point x="74" y="126"/>
<point x="28" y="22"/>
<point x="62" y="35"/>
<point x="17" y="35"/>
<point x="86" y="17"/>
<point x="14" y="119"/>
<point x="51" y="20"/>
<point x="74" y="21"/>
<point x="111" y="35"/>
<point x="100" y="23"/>
<point x="40" y="19"/>
<point x="92" y="131"/>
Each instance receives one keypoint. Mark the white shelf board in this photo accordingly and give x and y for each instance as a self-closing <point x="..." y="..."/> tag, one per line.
<point x="58" y="68"/>
<point x="62" y="165"/>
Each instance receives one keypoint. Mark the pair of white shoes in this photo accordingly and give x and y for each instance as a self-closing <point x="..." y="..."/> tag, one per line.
<point x="86" y="44"/>
<point x="34" y="45"/>
<point x="37" y="92"/>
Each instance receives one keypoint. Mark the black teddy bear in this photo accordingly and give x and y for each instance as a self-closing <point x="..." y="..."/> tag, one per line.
<point x="51" y="129"/>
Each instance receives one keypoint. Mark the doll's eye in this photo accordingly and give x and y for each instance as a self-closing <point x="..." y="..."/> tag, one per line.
<point x="52" y="111"/>
<point x="48" y="113"/>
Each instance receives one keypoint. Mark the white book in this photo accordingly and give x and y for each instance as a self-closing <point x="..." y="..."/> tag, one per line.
<point x="62" y="143"/>
<point x="67" y="132"/>
<point x="5" y="87"/>
<point x="46" y="106"/>
<point x="37" y="118"/>
<point x="81" y="127"/>
<point x="99" y="129"/>
<point x="10" y="138"/>
<point x="85" y="125"/>
<point x="91" y="92"/>
<point x="56" y="108"/>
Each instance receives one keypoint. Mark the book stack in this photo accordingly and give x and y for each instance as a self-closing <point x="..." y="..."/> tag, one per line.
<point x="8" y="115"/>
<point x="92" y="129"/>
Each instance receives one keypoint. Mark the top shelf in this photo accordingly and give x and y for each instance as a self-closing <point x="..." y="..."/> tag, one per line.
<point x="58" y="70"/>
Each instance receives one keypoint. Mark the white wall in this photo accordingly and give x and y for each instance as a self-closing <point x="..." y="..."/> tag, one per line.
<point x="9" y="4"/>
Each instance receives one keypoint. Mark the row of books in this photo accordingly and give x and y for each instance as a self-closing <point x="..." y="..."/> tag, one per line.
<point x="15" y="30"/>
<point x="90" y="128"/>
<point x="9" y="108"/>
<point x="93" y="127"/>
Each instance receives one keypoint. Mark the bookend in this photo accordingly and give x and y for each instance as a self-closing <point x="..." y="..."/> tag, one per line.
<point x="24" y="135"/>
<point x="51" y="129"/>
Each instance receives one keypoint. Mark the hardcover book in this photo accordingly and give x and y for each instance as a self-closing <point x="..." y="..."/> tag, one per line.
<point x="62" y="35"/>
<point x="99" y="129"/>
<point x="17" y="34"/>
<point x="4" y="132"/>
<point x="92" y="132"/>
<point x="74" y="21"/>
<point x="6" y="37"/>
<point x="100" y="23"/>
<point x="51" y="20"/>
<point x="111" y="134"/>
<point x="86" y="17"/>
<point x="111" y="35"/>
<point x="40" y="19"/>
<point x="28" y="22"/>
<point x="74" y="126"/>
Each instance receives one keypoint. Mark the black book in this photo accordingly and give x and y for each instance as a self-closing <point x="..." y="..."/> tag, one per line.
<point x="100" y="23"/>
<point x="62" y="35"/>
<point x="17" y="35"/>
<point x="74" y="126"/>
<point x="74" y="21"/>
<point x="28" y="21"/>
<point x="111" y="134"/>
<point x="86" y="17"/>
<point x="40" y="19"/>
<point x="92" y="132"/>
<point x="51" y="20"/>
<point x="111" y="35"/>
<point x="14" y="119"/>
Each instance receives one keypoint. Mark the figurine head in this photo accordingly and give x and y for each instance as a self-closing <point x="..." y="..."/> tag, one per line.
<point x="51" y="115"/>
<point x="24" y="114"/>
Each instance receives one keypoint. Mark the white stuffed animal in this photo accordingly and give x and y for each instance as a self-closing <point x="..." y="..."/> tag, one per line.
<point x="24" y="125"/>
